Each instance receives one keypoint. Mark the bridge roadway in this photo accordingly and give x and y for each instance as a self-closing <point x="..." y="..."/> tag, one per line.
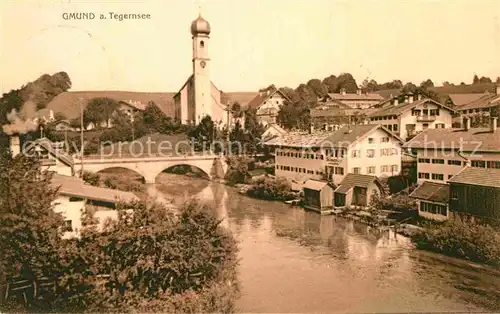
<point x="153" y="164"/>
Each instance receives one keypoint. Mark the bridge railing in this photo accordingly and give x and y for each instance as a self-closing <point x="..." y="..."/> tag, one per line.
<point x="146" y="155"/>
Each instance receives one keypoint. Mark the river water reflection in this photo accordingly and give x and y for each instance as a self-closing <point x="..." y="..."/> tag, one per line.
<point x="297" y="261"/>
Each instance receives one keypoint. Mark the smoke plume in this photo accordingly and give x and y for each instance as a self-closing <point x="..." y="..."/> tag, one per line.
<point x="21" y="122"/>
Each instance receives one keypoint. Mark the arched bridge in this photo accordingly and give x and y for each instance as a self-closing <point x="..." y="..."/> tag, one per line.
<point x="149" y="167"/>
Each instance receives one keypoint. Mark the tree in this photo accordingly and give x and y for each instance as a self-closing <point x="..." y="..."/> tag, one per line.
<point x="236" y="110"/>
<point x="475" y="80"/>
<point x="203" y="134"/>
<point x="237" y="139"/>
<point x="347" y="82"/>
<point x="331" y="83"/>
<point x="317" y="87"/>
<point x="485" y="80"/>
<point x="269" y="88"/>
<point x="295" y="115"/>
<point x="25" y="204"/>
<point x="156" y="121"/>
<point x="291" y="94"/>
<point x="426" y="84"/>
<point x="58" y="116"/>
<point x="369" y="85"/>
<point x="306" y="93"/>
<point x="253" y="131"/>
<point x="100" y="110"/>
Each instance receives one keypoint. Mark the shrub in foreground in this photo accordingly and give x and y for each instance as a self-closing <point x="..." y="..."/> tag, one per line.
<point x="149" y="260"/>
<point x="467" y="240"/>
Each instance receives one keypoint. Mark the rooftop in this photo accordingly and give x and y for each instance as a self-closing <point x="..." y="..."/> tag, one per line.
<point x="355" y="180"/>
<point x="463" y="99"/>
<point x="472" y="140"/>
<point x="392" y="110"/>
<point x="315" y="185"/>
<point x="72" y="186"/>
<point x="434" y="192"/>
<point x="478" y="176"/>
<point x="485" y="101"/>
<point x="343" y="137"/>
<point x="355" y="96"/>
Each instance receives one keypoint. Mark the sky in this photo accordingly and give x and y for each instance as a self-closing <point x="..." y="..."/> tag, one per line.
<point x="252" y="44"/>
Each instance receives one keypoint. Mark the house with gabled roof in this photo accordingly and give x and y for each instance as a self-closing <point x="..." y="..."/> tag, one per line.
<point x="411" y="117"/>
<point x="480" y="109"/>
<point x="267" y="105"/>
<point x="357" y="190"/>
<point x="442" y="153"/>
<point x="432" y="200"/>
<point x="50" y="155"/>
<point x="358" y="100"/>
<point x="360" y="149"/>
<point x="475" y="192"/>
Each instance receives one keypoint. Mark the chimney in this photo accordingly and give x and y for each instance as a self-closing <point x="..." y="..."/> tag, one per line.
<point x="395" y="101"/>
<point x="311" y="129"/>
<point x="419" y="96"/>
<point x="15" y="145"/>
<point x="410" y="98"/>
<point x="359" y="92"/>
<point x="493" y="124"/>
<point x="342" y="91"/>
<point x="467" y="124"/>
<point x="406" y="98"/>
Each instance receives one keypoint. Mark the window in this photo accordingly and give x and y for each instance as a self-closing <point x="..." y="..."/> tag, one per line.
<point x="478" y="163"/>
<point x="437" y="176"/>
<point x="439" y="125"/>
<point x="67" y="227"/>
<point x="450" y="176"/>
<point x="339" y="170"/>
<point x="384" y="140"/>
<point x="371" y="140"/>
<point x="394" y="168"/>
<point x="438" y="161"/>
<point x="425" y="126"/>
<point x="370" y="153"/>
<point x="493" y="164"/>
<point x="454" y="162"/>
<point x="75" y="199"/>
<point x="384" y="169"/>
<point x="424" y="160"/>
<point x="394" y="151"/>
<point x="356" y="170"/>
<point x="395" y="127"/>
<point x="356" y="153"/>
<point x="433" y="208"/>
<point x="423" y="175"/>
<point x="370" y="170"/>
<point x="202" y="44"/>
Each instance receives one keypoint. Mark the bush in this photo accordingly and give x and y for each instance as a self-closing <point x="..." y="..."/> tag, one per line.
<point x="237" y="171"/>
<point x="91" y="178"/>
<point x="471" y="241"/>
<point x="111" y="183"/>
<point x="271" y="189"/>
<point x="149" y="260"/>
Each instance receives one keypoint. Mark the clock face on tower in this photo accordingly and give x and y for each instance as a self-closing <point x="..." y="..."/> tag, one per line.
<point x="203" y="63"/>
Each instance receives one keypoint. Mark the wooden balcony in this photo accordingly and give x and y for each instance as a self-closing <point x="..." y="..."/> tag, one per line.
<point x="426" y="118"/>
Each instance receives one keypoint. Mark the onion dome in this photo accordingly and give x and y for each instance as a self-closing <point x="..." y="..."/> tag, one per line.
<point x="200" y="26"/>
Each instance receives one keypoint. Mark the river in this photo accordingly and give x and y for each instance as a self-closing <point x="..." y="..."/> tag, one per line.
<point x="298" y="261"/>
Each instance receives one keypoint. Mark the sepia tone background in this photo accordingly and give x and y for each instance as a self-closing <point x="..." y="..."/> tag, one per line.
<point x="254" y="43"/>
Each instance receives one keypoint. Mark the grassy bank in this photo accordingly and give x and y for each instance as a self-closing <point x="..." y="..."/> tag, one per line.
<point x="470" y="241"/>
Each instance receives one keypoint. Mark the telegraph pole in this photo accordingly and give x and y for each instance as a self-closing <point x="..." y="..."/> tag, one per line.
<point x="81" y="133"/>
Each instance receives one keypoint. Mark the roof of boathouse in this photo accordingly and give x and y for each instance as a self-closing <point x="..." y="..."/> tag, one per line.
<point x="432" y="191"/>
<point x="478" y="176"/>
<point x="356" y="180"/>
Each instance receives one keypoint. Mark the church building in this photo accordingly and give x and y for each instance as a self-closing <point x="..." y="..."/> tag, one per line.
<point x="199" y="97"/>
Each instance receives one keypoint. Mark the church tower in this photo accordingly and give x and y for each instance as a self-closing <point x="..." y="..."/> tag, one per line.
<point x="200" y="29"/>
